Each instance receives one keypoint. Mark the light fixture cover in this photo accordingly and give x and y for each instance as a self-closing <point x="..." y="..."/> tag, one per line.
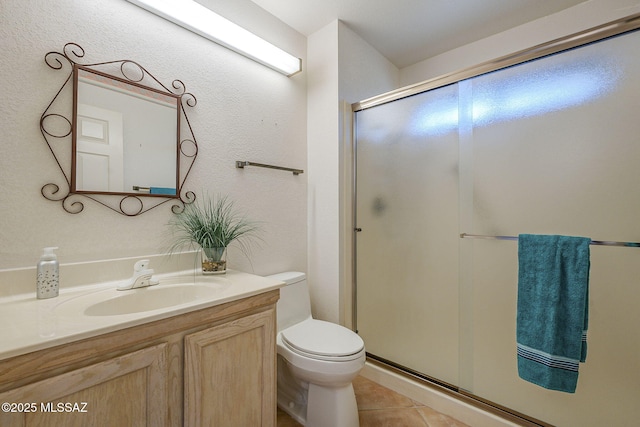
<point x="202" y="21"/>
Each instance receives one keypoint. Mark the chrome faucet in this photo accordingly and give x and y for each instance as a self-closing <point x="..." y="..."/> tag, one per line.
<point x="141" y="277"/>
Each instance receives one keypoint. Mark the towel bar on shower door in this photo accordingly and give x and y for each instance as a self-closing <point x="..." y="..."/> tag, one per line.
<point x="593" y="242"/>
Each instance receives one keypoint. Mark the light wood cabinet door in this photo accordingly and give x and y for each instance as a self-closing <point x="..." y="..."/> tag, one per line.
<point x="129" y="390"/>
<point x="230" y="374"/>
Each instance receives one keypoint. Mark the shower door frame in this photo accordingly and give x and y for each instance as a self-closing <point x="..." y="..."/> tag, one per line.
<point x="582" y="38"/>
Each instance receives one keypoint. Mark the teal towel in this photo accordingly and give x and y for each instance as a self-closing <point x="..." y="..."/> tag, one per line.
<point x="162" y="190"/>
<point x="553" y="289"/>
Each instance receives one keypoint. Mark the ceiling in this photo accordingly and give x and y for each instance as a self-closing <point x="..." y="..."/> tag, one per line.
<point x="409" y="31"/>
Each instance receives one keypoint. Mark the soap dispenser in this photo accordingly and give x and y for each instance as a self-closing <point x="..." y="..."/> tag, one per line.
<point x="48" y="281"/>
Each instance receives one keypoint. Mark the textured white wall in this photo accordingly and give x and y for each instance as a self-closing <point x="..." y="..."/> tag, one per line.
<point x="245" y="111"/>
<point x="322" y="137"/>
<point x="364" y="72"/>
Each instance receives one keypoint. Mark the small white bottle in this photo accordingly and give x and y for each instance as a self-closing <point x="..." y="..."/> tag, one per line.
<point x="48" y="279"/>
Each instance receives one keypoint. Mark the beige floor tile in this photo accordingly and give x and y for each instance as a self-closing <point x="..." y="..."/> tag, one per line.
<point x="285" y="420"/>
<point x="371" y="395"/>
<point x="436" y="419"/>
<point x="397" y="417"/>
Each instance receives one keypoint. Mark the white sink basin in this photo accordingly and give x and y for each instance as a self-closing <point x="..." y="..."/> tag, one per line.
<point x="114" y="303"/>
<point x="151" y="298"/>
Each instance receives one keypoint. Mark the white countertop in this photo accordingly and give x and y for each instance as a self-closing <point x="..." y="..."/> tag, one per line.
<point x="28" y="324"/>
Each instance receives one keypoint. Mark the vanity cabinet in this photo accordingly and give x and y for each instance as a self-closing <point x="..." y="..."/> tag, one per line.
<point x="210" y="367"/>
<point x="129" y="390"/>
<point x="229" y="380"/>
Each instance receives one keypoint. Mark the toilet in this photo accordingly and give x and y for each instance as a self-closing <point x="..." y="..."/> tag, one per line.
<point x="317" y="361"/>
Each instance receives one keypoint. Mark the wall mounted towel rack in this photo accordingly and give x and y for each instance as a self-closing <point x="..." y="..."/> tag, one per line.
<point x="241" y="164"/>
<point x="593" y="242"/>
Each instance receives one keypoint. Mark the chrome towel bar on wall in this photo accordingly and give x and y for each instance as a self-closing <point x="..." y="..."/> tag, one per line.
<point x="241" y="164"/>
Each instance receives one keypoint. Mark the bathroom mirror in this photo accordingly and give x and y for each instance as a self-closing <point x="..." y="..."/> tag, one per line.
<point x="125" y="138"/>
<point x="119" y="136"/>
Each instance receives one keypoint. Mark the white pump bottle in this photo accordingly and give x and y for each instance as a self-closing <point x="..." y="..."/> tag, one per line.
<point x="48" y="275"/>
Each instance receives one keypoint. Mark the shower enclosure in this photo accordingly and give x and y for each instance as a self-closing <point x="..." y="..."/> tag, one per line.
<point x="550" y="145"/>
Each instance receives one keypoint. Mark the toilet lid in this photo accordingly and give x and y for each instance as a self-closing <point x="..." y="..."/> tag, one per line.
<point x="324" y="340"/>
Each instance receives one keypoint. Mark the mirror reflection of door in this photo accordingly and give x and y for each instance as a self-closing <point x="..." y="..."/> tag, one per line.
<point x="99" y="150"/>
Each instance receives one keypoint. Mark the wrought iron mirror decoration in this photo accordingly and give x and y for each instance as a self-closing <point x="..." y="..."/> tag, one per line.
<point x="84" y="128"/>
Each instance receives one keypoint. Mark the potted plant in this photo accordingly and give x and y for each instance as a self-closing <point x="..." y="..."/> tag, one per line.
<point x="212" y="225"/>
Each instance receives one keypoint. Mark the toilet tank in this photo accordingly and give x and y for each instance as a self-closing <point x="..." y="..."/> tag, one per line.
<point x="294" y="304"/>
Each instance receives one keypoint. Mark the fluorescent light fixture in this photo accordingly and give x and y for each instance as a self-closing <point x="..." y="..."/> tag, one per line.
<point x="197" y="18"/>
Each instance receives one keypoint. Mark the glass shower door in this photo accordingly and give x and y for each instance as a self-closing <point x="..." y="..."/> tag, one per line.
<point x="555" y="151"/>
<point x="407" y="252"/>
<point x="545" y="147"/>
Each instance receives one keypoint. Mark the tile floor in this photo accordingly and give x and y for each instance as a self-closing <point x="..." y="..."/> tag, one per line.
<point x="380" y="407"/>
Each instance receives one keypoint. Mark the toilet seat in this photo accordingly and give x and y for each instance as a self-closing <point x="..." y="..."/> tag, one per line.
<point x="320" y="340"/>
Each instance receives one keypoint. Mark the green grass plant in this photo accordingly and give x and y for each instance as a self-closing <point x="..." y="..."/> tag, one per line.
<point x="211" y="223"/>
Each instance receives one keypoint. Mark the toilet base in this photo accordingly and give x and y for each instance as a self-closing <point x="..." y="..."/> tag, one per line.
<point x="332" y="407"/>
<point x="326" y="407"/>
<point x="314" y="405"/>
